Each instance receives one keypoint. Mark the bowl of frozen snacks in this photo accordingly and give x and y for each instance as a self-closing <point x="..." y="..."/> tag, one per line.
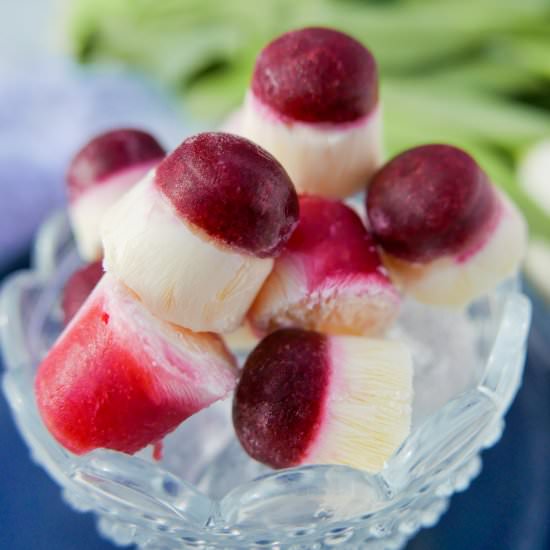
<point x="270" y="337"/>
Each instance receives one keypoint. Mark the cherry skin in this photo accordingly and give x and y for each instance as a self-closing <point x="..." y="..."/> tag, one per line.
<point x="429" y="202"/>
<point x="316" y="75"/>
<point x="233" y="190"/>
<point x="333" y="234"/>
<point x="278" y="404"/>
<point x="107" y="154"/>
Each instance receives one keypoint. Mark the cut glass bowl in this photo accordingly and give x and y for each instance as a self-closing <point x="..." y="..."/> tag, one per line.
<point x="206" y="493"/>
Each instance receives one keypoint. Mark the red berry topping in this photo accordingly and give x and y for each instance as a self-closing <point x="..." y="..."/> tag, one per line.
<point x="105" y="397"/>
<point x="117" y="378"/>
<point x="333" y="234"/>
<point x="233" y="190"/>
<point x="317" y="75"/>
<point x="279" y="402"/>
<point x="109" y="153"/>
<point x="428" y="202"/>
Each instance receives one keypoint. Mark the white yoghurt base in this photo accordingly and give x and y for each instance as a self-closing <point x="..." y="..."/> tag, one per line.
<point x="367" y="413"/>
<point x="455" y="281"/>
<point x="331" y="160"/>
<point x="345" y="303"/>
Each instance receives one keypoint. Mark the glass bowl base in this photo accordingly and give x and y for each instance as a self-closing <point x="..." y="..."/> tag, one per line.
<point x="205" y="492"/>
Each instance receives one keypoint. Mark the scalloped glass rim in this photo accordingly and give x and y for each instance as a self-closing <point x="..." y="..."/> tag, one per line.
<point x="140" y="502"/>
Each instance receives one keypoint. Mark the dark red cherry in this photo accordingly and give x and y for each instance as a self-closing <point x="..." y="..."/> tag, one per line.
<point x="279" y="401"/>
<point x="429" y="202"/>
<point x="233" y="190"/>
<point x="316" y="75"/>
<point x="109" y="153"/>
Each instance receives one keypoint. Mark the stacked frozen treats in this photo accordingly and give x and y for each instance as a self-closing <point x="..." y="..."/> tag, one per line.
<point x="251" y="228"/>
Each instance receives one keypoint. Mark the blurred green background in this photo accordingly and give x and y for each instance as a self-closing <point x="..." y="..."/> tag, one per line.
<point x="473" y="73"/>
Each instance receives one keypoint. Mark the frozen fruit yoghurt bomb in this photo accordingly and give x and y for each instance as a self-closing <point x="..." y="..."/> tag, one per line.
<point x="307" y="398"/>
<point x="195" y="240"/>
<point x="313" y="104"/>
<point x="118" y="378"/>
<point x="329" y="277"/>
<point x="447" y="234"/>
<point x="102" y="171"/>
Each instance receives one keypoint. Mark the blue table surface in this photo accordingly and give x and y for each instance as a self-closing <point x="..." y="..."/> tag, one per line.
<point x="506" y="508"/>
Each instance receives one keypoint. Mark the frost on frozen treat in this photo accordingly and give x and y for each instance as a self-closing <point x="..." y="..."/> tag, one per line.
<point x="328" y="278"/>
<point x="118" y="378"/>
<point x="308" y="398"/>
<point x="447" y="234"/>
<point x="195" y="240"/>
<point x="102" y="171"/>
<point x="313" y="104"/>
